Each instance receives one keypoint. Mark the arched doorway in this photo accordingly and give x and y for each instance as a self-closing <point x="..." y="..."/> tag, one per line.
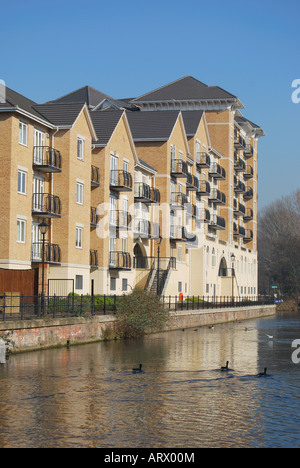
<point x="223" y="271"/>
<point x="140" y="256"/>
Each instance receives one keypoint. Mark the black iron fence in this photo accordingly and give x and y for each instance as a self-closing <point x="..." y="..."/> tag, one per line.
<point x="21" y="307"/>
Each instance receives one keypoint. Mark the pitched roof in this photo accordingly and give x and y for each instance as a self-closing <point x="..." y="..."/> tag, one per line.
<point x="185" y="89"/>
<point x="146" y="126"/>
<point x="105" y="123"/>
<point x="191" y="121"/>
<point x="242" y="121"/>
<point x="92" y="97"/>
<point x="60" y="114"/>
<point x="14" y="99"/>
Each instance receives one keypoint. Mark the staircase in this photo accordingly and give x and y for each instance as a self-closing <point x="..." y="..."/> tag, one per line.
<point x="164" y="274"/>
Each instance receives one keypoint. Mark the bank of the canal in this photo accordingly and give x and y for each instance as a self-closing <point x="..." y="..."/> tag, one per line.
<point x="30" y="335"/>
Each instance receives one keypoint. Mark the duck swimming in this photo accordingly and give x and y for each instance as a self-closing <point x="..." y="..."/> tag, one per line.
<point x="225" y="368"/>
<point x="137" y="370"/>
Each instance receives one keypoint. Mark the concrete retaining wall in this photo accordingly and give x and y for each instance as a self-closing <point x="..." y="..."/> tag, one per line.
<point x="31" y="335"/>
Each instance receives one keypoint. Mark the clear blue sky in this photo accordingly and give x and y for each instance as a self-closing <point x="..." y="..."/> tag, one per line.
<point x="124" y="49"/>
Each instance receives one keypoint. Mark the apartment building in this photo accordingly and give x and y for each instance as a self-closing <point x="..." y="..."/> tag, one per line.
<point x="117" y="181"/>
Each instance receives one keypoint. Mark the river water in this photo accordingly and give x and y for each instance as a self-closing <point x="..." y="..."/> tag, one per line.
<point x="87" y="396"/>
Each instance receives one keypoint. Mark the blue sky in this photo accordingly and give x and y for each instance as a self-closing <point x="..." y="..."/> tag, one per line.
<point x="124" y="49"/>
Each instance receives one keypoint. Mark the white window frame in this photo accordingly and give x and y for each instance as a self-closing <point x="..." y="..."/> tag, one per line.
<point x="21" y="231"/>
<point x="79" y="193"/>
<point x="80" y="149"/>
<point x="22" y="181"/>
<point x="79" y="237"/>
<point x="23" y="130"/>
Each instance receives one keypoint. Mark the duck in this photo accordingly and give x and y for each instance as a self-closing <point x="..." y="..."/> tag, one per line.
<point x="270" y="337"/>
<point x="137" y="370"/>
<point x="262" y="374"/>
<point x="226" y="367"/>
<point x="211" y="327"/>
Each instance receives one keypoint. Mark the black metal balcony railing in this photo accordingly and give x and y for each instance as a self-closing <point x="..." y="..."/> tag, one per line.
<point x="119" y="261"/>
<point x="94" y="217"/>
<point x="52" y="253"/>
<point x="217" y="222"/>
<point x="95" y="176"/>
<point x="146" y="194"/>
<point x="191" y="210"/>
<point x="180" y="234"/>
<point x="203" y="215"/>
<point x="248" y="215"/>
<point x="120" y="219"/>
<point x="120" y="180"/>
<point x="248" y="235"/>
<point x="239" y="208"/>
<point x="94" y="259"/>
<point x="204" y="188"/>
<point x="239" y="186"/>
<point x="248" y="174"/>
<point x="239" y="164"/>
<point x="238" y="231"/>
<point x="46" y="159"/>
<point x="45" y="205"/>
<point x="218" y="197"/>
<point x="239" y="141"/>
<point x="146" y="229"/>
<point x="178" y="199"/>
<point x="248" y="193"/>
<point x="216" y="171"/>
<point x="248" y="151"/>
<point x="192" y="182"/>
<point x="202" y="159"/>
<point x="179" y="168"/>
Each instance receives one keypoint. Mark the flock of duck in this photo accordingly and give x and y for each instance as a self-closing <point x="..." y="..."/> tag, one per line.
<point x="139" y="370"/>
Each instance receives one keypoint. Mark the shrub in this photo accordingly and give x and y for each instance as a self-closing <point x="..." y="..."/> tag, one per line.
<point x="138" y="313"/>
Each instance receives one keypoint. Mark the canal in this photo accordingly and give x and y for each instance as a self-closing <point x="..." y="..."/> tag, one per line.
<point x="87" y="396"/>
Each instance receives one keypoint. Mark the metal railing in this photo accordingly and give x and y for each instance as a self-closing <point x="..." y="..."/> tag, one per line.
<point x="44" y="204"/>
<point x="22" y="307"/>
<point x="47" y="158"/>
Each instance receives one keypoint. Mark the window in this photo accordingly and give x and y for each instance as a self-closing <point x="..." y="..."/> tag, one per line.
<point x="22" y="133"/>
<point x="179" y="286"/>
<point x="124" y="245"/>
<point x="113" y="283"/>
<point x="79" y="193"/>
<point x="21" y="228"/>
<point x="124" y="284"/>
<point x="125" y="166"/>
<point x="79" y="231"/>
<point x="214" y="259"/>
<point x="79" y="282"/>
<point x="80" y="149"/>
<point x="22" y="182"/>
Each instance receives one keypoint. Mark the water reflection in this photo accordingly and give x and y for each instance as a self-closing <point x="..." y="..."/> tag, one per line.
<point x="87" y="396"/>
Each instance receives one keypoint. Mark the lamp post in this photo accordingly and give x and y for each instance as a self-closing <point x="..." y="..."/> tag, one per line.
<point x="43" y="227"/>
<point x="233" y="274"/>
<point x="158" y="241"/>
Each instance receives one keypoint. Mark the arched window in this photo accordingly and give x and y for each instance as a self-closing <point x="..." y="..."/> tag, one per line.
<point x="213" y="258"/>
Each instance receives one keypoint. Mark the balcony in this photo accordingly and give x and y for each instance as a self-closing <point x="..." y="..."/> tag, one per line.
<point x="239" y="186"/>
<point x="146" y="263"/>
<point x="204" y="188"/>
<point x="192" y="182"/>
<point x="120" y="181"/>
<point x="248" y="215"/>
<point x="178" y="200"/>
<point x="146" y="229"/>
<point x="46" y="159"/>
<point x="191" y="210"/>
<point x="95" y="176"/>
<point x="45" y="205"/>
<point x="119" y="261"/>
<point x="179" y="168"/>
<point x="239" y="141"/>
<point x="52" y="253"/>
<point x="248" y="174"/>
<point x="180" y="234"/>
<point x="145" y="194"/>
<point x="248" y="151"/>
<point x="248" y="235"/>
<point x="216" y="171"/>
<point x="120" y="219"/>
<point x="239" y="165"/>
<point x="216" y="222"/>
<point x="203" y="215"/>
<point x="94" y="259"/>
<point x="217" y="197"/>
<point x="248" y="193"/>
<point x="94" y="217"/>
<point x="202" y="160"/>
<point x="238" y="208"/>
<point x="238" y="231"/>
